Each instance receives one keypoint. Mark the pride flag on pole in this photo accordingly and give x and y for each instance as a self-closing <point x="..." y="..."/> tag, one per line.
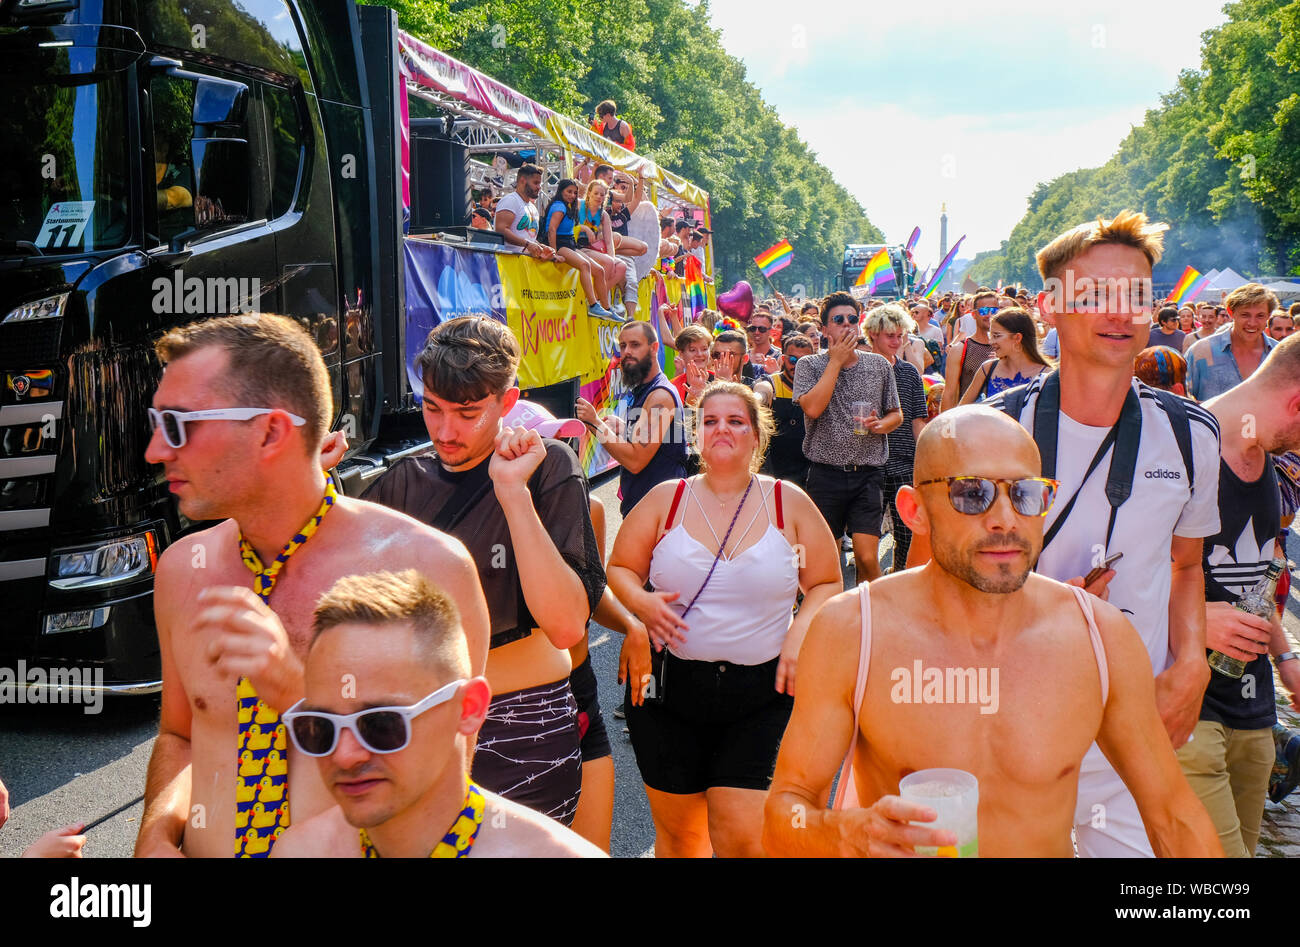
<point x="943" y="268"/>
<point x="775" y="258"/>
<point x="1183" y="285"/>
<point x="878" y="271"/>
<point x="913" y="239"/>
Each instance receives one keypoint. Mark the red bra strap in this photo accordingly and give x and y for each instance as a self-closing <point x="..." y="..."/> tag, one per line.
<point x="780" y="518"/>
<point x="672" y="510"/>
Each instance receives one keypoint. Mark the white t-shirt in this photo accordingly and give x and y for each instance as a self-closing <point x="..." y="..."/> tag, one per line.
<point x="526" y="216"/>
<point x="1158" y="509"/>
<point x="965" y="324"/>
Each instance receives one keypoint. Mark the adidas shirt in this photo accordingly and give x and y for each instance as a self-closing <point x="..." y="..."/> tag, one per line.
<point x="1160" y="507"/>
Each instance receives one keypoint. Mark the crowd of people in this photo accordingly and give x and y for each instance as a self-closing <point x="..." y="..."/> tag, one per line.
<point x="1074" y="508"/>
<point x="587" y="223"/>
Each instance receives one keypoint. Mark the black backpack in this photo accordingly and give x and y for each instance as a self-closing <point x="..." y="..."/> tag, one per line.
<point x="1120" y="482"/>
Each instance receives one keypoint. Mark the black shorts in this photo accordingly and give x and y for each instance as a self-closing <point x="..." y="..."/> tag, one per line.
<point x="528" y="751"/>
<point x="720" y="724"/>
<point x="565" y="241"/>
<point x="591" y="725"/>
<point x="850" y="501"/>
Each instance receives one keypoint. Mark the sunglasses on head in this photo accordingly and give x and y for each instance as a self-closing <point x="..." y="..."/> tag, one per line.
<point x="839" y="319"/>
<point x="379" y="729"/>
<point x="173" y="422"/>
<point x="1030" y="496"/>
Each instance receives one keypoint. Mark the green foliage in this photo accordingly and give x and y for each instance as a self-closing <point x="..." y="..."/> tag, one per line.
<point x="1219" y="161"/>
<point x="689" y="103"/>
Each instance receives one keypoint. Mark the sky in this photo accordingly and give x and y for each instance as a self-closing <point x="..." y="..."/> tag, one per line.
<point x="918" y="103"/>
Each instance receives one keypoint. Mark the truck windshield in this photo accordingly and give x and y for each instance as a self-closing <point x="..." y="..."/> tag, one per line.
<point x="63" y="151"/>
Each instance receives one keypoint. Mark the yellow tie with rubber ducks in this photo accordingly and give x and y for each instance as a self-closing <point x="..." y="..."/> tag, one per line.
<point x="459" y="838"/>
<point x="262" y="786"/>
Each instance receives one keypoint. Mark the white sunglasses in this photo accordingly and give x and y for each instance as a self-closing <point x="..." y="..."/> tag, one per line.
<point x="173" y="422"/>
<point x="379" y="729"/>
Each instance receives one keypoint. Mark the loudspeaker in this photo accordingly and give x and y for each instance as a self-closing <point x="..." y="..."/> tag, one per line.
<point x="439" y="178"/>
<point x="560" y="399"/>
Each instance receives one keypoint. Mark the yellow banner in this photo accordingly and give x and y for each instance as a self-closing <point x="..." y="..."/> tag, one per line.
<point x="547" y="312"/>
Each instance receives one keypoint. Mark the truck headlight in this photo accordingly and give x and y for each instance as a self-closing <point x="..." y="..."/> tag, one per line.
<point x="106" y="563"/>
<point x="51" y="307"/>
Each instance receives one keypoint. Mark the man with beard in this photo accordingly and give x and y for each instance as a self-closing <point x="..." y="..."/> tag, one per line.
<point x="648" y="435"/>
<point x="1065" y="669"/>
<point x="517" y="217"/>
<point x="1231" y="757"/>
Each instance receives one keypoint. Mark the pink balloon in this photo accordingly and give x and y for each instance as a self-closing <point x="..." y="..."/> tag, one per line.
<point x="737" y="302"/>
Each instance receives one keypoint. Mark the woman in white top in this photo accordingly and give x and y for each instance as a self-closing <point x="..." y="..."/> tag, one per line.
<point x="707" y="735"/>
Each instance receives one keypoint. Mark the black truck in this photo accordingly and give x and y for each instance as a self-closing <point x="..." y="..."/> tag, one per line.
<point x="161" y="161"/>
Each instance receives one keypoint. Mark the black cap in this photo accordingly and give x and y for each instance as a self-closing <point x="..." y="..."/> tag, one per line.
<point x="704" y="230"/>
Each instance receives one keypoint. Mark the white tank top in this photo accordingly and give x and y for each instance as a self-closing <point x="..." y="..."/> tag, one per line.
<point x="744" y="614"/>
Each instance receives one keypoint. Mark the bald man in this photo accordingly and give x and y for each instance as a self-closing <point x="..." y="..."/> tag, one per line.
<point x="973" y="662"/>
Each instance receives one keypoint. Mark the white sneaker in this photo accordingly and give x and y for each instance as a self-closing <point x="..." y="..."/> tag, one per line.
<point x="620" y="310"/>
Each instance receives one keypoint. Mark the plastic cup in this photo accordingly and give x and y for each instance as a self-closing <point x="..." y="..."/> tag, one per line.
<point x="955" y="795"/>
<point x="861" y="411"/>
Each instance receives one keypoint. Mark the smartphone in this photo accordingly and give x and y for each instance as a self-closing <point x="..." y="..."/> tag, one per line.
<point x="1095" y="574"/>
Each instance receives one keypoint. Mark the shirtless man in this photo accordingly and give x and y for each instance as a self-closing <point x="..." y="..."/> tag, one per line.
<point x="399" y="638"/>
<point x="975" y="605"/>
<point x="262" y="476"/>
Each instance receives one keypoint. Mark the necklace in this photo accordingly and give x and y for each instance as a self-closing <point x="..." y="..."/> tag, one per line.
<point x="723" y="504"/>
<point x="459" y="838"/>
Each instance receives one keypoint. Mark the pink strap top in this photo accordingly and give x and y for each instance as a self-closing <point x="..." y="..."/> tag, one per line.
<point x="846" y="790"/>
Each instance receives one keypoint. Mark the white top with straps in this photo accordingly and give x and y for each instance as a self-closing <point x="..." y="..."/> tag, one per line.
<point x="846" y="790"/>
<point x="744" y="614"/>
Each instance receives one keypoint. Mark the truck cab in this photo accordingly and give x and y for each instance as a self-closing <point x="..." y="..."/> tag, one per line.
<point x="161" y="166"/>
<point x="857" y="255"/>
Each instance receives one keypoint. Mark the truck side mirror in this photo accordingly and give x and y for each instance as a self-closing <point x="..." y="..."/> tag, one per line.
<point x="219" y="101"/>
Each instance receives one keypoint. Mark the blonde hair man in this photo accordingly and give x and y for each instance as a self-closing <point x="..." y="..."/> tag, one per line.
<point x="1226" y="359"/>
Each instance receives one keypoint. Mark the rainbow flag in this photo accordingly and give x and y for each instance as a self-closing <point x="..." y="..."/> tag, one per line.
<point x="693" y="291"/>
<point x="943" y="268"/>
<point x="775" y="258"/>
<point x="1183" y="285"/>
<point x="878" y="271"/>
<point x="1195" y="290"/>
<point x="913" y="239"/>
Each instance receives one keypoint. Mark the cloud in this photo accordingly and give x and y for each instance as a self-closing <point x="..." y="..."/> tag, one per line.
<point x="914" y="104"/>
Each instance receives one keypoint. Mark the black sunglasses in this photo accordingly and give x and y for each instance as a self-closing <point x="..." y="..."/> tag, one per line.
<point x="839" y="319"/>
<point x="1030" y="496"/>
